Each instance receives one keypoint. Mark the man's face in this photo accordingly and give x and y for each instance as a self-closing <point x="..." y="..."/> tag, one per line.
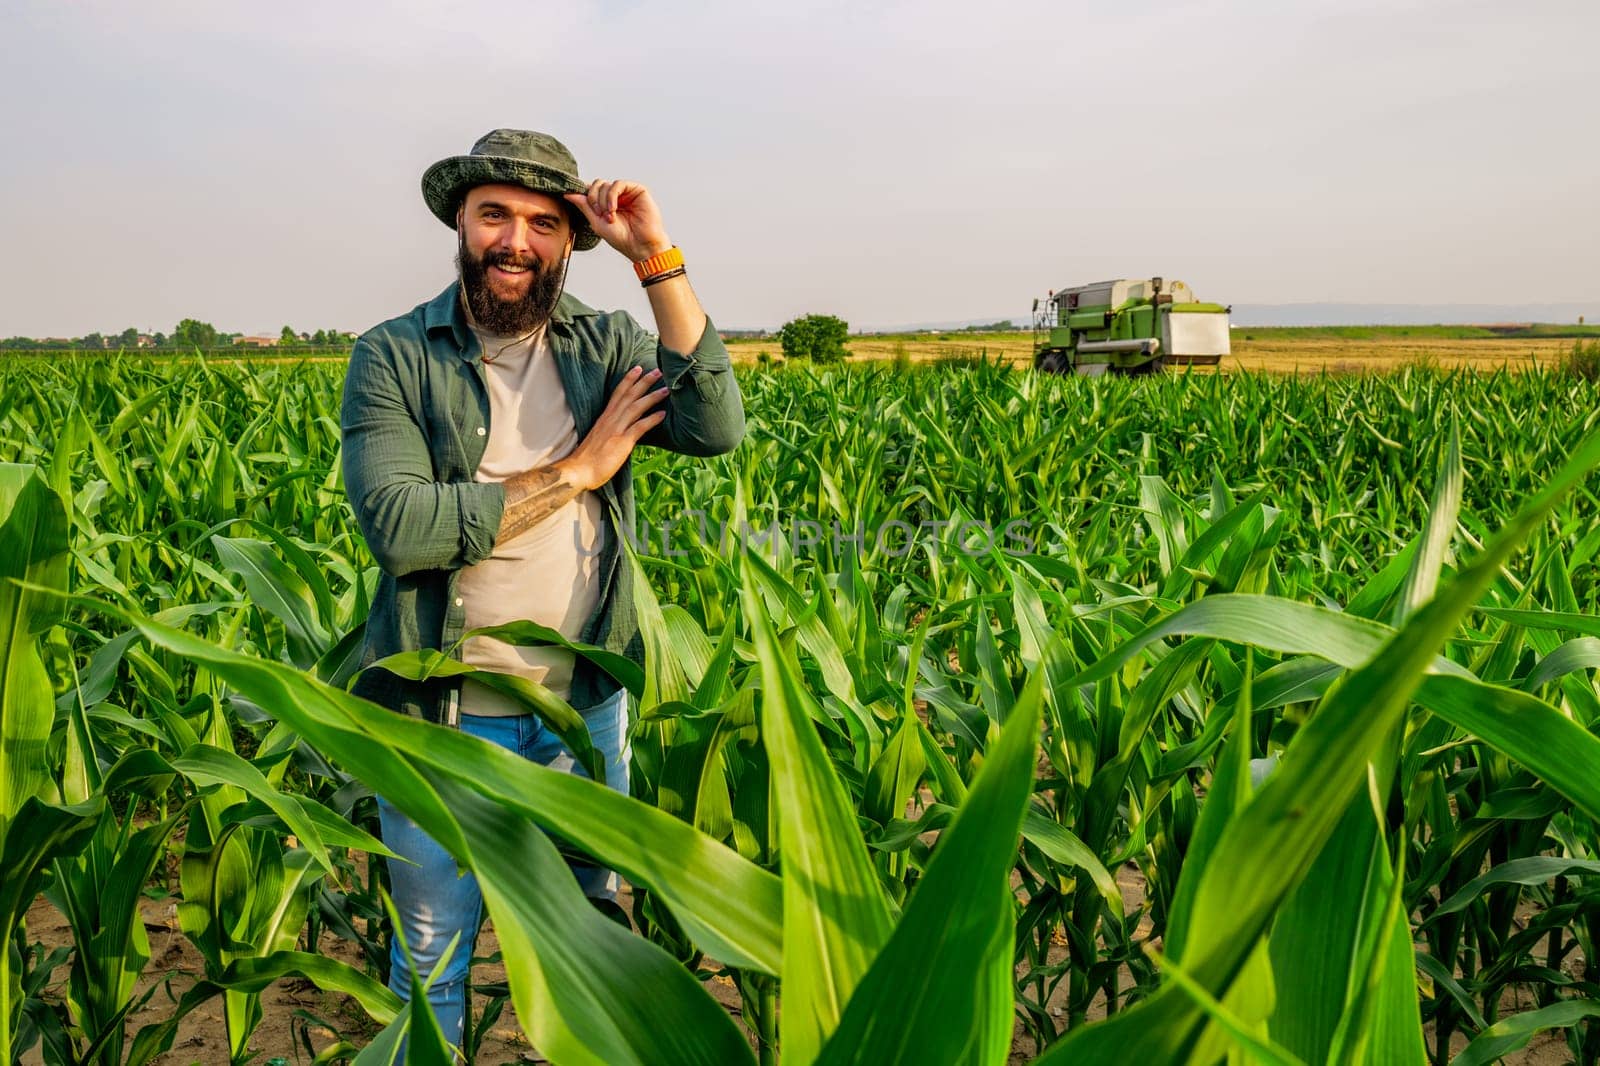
<point x="512" y="258"/>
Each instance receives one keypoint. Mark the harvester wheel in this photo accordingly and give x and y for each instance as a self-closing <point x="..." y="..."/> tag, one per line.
<point x="1154" y="366"/>
<point x="1053" y="362"/>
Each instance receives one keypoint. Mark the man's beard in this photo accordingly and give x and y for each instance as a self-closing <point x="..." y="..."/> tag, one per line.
<point x="509" y="318"/>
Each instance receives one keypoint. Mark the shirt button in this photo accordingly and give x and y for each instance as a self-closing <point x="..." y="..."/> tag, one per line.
<point x="459" y="601"/>
<point x="482" y="431"/>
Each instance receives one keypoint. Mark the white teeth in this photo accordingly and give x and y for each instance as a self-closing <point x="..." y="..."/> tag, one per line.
<point x="509" y="269"/>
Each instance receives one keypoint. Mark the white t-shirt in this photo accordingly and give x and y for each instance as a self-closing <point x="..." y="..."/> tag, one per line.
<point x="549" y="573"/>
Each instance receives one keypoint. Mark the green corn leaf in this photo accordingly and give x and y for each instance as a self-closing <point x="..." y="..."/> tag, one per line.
<point x="894" y="774"/>
<point x="206" y="765"/>
<point x="580" y="982"/>
<point x="1267" y="622"/>
<point x="622" y="669"/>
<point x="1533" y="870"/>
<point x="664" y="679"/>
<point x="1227" y="794"/>
<point x="33" y="550"/>
<point x="1164" y="514"/>
<point x="923" y="1000"/>
<point x="1428" y="561"/>
<point x="278" y="590"/>
<point x="1218" y="537"/>
<point x="424" y="1040"/>
<point x="1339" y="977"/>
<point x="729" y="906"/>
<point x="1061" y="846"/>
<point x="835" y="917"/>
<point x="385" y="1047"/>
<point x="1316" y="936"/>
<point x="1525" y="729"/>
<point x="814" y="635"/>
<point x="1580" y="653"/>
<point x="555" y="712"/>
<point x="1563" y="621"/>
<point x="568" y="1002"/>
<point x="256" y="973"/>
<point x="1396" y="1027"/>
<point x="1512" y="1034"/>
<point x="1268" y="847"/>
<point x="1260" y="1049"/>
<point x="37" y="835"/>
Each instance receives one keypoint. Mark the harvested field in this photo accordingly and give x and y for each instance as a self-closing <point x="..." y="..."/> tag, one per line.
<point x="1270" y="354"/>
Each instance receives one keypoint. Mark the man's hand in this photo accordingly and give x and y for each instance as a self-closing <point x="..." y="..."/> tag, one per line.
<point x="609" y="443"/>
<point x="625" y="216"/>
<point x="534" y="495"/>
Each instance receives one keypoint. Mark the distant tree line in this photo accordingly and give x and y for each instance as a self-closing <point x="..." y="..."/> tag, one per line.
<point x="322" y="338"/>
<point x="188" y="334"/>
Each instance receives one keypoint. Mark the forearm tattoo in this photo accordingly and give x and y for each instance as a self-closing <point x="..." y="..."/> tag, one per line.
<point x="531" y="497"/>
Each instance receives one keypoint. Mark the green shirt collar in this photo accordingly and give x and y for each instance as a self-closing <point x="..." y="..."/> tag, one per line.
<point x="444" y="312"/>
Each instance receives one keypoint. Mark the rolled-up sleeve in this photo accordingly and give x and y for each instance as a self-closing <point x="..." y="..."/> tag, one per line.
<point x="410" y="521"/>
<point x="705" y="413"/>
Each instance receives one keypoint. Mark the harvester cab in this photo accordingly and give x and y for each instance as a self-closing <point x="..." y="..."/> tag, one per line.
<point x="1128" y="326"/>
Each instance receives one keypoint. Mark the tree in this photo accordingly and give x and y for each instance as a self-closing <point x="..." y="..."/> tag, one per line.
<point x="288" y="338"/>
<point x="319" y="338"/>
<point x="817" y="337"/>
<point x="128" y="338"/>
<point x="192" y="333"/>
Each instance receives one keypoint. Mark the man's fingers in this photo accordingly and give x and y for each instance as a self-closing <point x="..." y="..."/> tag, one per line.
<point x="633" y="395"/>
<point x="635" y="378"/>
<point x="581" y="202"/>
<point x="600" y="198"/>
<point x="618" y="394"/>
<point x="646" y="424"/>
<point x="645" y="402"/>
<point x="635" y="382"/>
<point x="635" y="406"/>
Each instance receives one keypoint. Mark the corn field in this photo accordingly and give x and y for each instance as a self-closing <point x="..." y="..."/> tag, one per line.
<point x="1264" y="732"/>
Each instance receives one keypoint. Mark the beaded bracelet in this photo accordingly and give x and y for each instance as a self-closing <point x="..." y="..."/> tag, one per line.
<point x="675" y="272"/>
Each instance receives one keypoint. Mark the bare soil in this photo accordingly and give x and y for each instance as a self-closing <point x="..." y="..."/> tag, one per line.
<point x="291" y="1008"/>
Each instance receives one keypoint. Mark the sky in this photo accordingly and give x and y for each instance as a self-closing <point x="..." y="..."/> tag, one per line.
<point x="255" y="165"/>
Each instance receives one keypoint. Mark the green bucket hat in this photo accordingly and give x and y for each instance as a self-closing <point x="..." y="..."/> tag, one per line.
<point x="535" y="161"/>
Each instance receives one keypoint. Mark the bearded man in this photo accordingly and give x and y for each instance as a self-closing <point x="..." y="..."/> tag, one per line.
<point x="486" y="444"/>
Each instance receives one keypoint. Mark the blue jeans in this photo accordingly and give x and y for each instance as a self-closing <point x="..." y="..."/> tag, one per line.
<point x="435" y="903"/>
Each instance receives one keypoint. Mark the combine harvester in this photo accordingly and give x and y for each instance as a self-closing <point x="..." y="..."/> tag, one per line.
<point x="1137" y="326"/>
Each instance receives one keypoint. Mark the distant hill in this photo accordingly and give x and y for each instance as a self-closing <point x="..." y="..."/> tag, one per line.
<point x="1408" y="314"/>
<point x="1017" y="321"/>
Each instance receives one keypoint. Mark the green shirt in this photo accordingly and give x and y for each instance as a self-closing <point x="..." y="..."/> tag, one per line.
<point x="414" y="421"/>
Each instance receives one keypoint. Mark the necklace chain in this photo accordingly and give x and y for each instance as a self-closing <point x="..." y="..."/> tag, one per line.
<point x="489" y="359"/>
